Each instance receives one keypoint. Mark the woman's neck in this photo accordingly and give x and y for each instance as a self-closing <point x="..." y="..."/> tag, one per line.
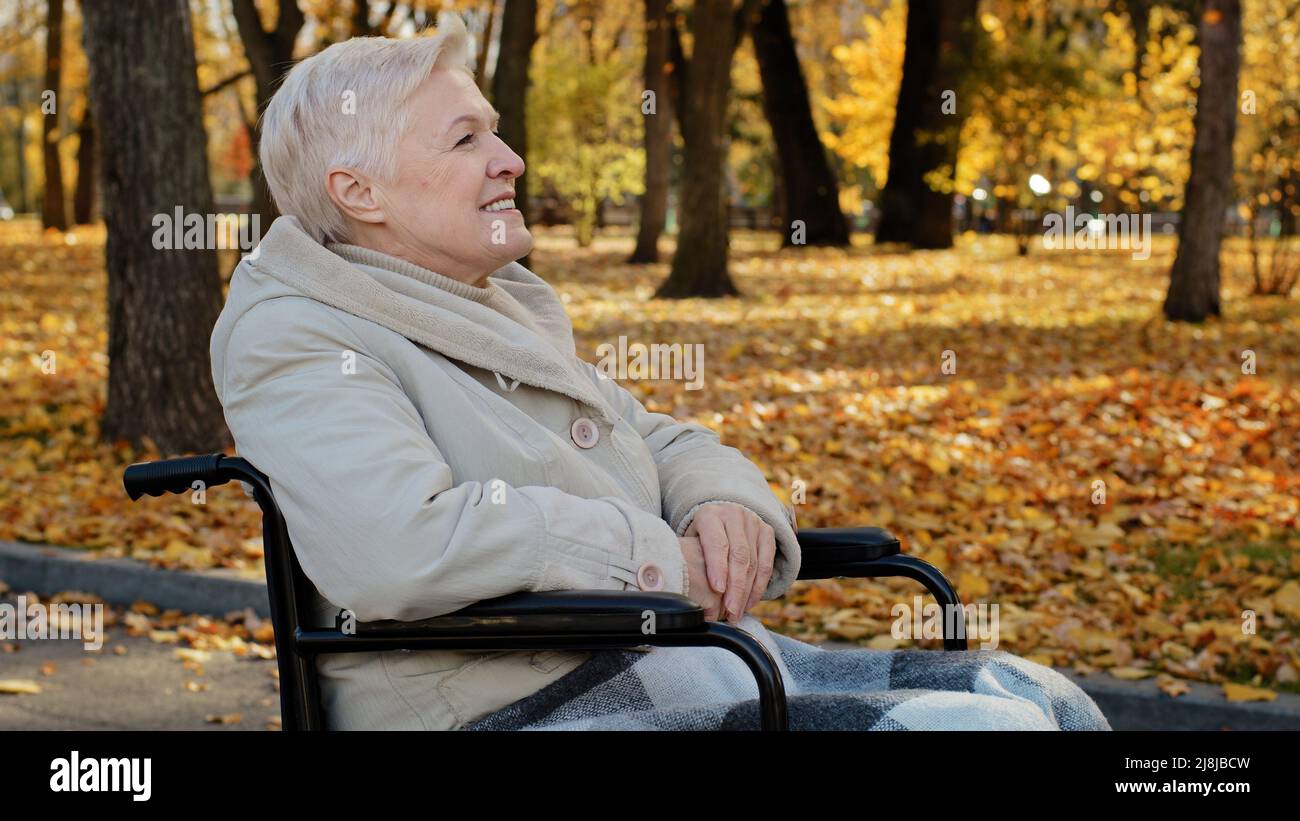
<point x="383" y="241"/>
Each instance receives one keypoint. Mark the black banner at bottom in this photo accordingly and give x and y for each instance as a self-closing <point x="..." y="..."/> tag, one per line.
<point x="133" y="772"/>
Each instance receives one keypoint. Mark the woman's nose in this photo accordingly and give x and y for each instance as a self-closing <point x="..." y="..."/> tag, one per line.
<point x="507" y="163"/>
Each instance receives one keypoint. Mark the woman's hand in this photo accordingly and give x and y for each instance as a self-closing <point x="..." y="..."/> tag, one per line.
<point x="739" y="550"/>
<point x="697" y="578"/>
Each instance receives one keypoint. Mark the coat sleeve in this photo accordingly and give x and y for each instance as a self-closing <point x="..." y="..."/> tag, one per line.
<point x="377" y="520"/>
<point x="695" y="468"/>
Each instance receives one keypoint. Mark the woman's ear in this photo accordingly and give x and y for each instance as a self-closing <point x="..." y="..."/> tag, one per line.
<point x="354" y="195"/>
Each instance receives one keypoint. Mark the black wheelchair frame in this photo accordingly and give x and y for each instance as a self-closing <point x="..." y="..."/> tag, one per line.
<point x="553" y="620"/>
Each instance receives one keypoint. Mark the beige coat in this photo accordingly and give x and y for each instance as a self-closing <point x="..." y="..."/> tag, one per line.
<point x="416" y="477"/>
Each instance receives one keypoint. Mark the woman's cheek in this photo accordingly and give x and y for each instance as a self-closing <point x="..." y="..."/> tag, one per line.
<point x="434" y="177"/>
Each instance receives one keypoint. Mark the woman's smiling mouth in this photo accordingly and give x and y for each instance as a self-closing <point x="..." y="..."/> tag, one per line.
<point x="500" y="205"/>
<point x="505" y="201"/>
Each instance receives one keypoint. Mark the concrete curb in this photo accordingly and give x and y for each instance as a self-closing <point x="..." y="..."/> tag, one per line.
<point x="1141" y="705"/>
<point x="1129" y="705"/>
<point x="46" y="569"/>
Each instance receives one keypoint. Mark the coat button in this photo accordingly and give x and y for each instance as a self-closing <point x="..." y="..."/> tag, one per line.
<point x="585" y="433"/>
<point x="650" y="577"/>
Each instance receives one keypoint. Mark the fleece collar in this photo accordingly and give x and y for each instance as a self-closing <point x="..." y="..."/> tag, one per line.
<point x="535" y="348"/>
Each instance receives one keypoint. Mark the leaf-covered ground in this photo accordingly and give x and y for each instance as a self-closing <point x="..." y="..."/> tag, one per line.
<point x="830" y="374"/>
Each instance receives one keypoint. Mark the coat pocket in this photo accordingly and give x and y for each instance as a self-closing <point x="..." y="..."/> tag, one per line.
<point x="498" y="679"/>
<point x="545" y="661"/>
<point x="415" y="679"/>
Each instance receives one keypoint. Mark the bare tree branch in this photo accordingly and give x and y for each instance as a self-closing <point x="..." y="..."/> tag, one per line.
<point x="234" y="78"/>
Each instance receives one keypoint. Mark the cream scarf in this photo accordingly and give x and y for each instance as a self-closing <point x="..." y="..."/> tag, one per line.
<point x="516" y="326"/>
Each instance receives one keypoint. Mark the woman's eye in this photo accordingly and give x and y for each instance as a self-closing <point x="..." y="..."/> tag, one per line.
<point x="468" y="138"/>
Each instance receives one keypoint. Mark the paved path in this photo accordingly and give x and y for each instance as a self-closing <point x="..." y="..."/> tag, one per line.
<point x="143" y="689"/>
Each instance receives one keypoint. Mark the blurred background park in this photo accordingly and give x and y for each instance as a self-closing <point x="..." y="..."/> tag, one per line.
<point x="848" y="202"/>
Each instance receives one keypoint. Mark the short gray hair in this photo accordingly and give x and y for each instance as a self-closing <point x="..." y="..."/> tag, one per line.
<point x="309" y="127"/>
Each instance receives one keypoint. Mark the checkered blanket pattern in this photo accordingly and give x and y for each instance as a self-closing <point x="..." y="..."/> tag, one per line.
<point x="707" y="688"/>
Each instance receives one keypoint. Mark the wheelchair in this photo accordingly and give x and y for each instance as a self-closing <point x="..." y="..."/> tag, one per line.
<point x="550" y="620"/>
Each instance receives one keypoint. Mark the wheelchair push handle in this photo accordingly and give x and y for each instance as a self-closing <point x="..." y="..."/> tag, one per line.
<point x="173" y="475"/>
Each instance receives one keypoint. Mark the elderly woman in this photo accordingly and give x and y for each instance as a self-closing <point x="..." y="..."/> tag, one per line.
<point x="414" y="395"/>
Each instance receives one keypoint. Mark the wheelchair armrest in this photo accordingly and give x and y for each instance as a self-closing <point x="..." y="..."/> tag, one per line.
<point x="825" y="549"/>
<point x="871" y="552"/>
<point x="551" y="612"/>
<point x="558" y="619"/>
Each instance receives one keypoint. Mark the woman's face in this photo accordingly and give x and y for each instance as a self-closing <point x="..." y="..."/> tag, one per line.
<point x="451" y="207"/>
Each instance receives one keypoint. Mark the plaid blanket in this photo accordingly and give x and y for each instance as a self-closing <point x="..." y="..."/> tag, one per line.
<point x="707" y="688"/>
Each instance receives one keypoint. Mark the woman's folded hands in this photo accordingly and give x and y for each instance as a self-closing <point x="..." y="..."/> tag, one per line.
<point x="729" y="552"/>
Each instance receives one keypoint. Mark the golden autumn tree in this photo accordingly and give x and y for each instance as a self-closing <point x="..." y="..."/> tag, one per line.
<point x="862" y="114"/>
<point x="584" y="110"/>
<point x="1268" y="144"/>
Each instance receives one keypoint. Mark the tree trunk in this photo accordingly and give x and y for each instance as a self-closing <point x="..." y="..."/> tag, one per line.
<point x="1139" y="16"/>
<point x="933" y="227"/>
<point x="658" y="135"/>
<point x="920" y="59"/>
<point x="83" y="198"/>
<point x="361" y="26"/>
<point x="1194" y="280"/>
<point x="510" y="88"/>
<point x="162" y="304"/>
<point x="925" y="138"/>
<point x="810" y="190"/>
<point x="681" y="71"/>
<point x="510" y="85"/>
<point x="54" y="212"/>
<point x="360" y="20"/>
<point x="15" y="98"/>
<point x="270" y="56"/>
<point x="777" y="215"/>
<point x="700" y="262"/>
<point x="481" y="59"/>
